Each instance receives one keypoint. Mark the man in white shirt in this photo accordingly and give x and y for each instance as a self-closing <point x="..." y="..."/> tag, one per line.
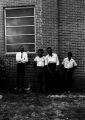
<point x="68" y="64"/>
<point x="51" y="60"/>
<point x="21" y="59"/>
<point x="51" y="63"/>
<point x="39" y="77"/>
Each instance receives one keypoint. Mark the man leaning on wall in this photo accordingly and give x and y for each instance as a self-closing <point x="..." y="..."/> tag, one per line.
<point x="21" y="59"/>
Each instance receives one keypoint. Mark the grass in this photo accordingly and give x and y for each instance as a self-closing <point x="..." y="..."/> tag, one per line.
<point x="32" y="106"/>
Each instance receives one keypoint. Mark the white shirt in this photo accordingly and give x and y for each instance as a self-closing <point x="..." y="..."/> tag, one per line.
<point x="40" y="61"/>
<point x="22" y="59"/>
<point x="69" y="64"/>
<point x="51" y="59"/>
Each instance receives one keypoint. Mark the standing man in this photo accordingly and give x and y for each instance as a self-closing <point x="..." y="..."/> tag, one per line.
<point x="21" y="59"/>
<point x="39" y="62"/>
<point x="51" y="63"/>
<point x="69" y="65"/>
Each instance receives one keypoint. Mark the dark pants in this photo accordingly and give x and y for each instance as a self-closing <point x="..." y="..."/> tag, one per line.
<point x="68" y="79"/>
<point x="20" y="75"/>
<point x="51" y="78"/>
<point x="38" y="84"/>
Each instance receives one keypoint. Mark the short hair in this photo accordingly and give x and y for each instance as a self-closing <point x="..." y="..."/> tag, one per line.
<point x="49" y="48"/>
<point x="41" y="50"/>
<point x="21" y="47"/>
<point x="70" y="53"/>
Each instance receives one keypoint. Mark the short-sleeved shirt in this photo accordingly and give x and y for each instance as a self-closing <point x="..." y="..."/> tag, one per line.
<point x="40" y="61"/>
<point x="51" y="59"/>
<point x="69" y="64"/>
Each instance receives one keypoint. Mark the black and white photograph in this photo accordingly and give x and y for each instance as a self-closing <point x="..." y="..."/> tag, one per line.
<point x="42" y="59"/>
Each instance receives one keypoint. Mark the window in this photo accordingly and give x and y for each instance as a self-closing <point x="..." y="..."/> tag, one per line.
<point x="19" y="29"/>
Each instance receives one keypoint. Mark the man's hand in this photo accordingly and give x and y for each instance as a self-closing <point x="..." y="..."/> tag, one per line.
<point x="19" y="62"/>
<point x="57" y="67"/>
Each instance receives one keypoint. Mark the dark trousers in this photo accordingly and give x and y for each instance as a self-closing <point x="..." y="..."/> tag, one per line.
<point x="68" y="79"/>
<point x="51" y="78"/>
<point x="20" y="75"/>
<point x="38" y="84"/>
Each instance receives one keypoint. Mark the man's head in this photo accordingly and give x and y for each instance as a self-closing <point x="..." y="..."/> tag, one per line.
<point x="49" y="50"/>
<point x="21" y="48"/>
<point x="69" y="55"/>
<point x="40" y="52"/>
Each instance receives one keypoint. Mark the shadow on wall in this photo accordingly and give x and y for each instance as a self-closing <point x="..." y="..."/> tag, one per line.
<point x="3" y="76"/>
<point x="6" y="82"/>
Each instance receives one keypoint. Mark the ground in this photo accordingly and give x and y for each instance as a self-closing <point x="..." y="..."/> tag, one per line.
<point x="32" y="106"/>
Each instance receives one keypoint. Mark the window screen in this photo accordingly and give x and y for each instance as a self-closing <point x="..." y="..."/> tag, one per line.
<point x="19" y="29"/>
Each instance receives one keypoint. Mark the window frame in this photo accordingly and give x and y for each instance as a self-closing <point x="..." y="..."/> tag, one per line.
<point x="5" y="18"/>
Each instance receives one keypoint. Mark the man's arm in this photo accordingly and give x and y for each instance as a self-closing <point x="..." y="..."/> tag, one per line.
<point x="57" y="62"/>
<point x="46" y="61"/>
<point x="25" y="58"/>
<point x="74" y="64"/>
<point x="17" y="58"/>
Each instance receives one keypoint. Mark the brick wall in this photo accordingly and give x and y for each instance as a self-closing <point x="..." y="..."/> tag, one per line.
<point x="50" y="24"/>
<point x="71" y="37"/>
<point x="59" y="24"/>
<point x="9" y="60"/>
<point x="46" y="34"/>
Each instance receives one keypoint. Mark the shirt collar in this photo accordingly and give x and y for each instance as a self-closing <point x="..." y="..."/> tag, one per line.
<point x="70" y="59"/>
<point x="49" y="55"/>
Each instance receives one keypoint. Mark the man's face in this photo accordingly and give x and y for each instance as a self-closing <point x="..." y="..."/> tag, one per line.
<point x="69" y="56"/>
<point x="49" y="51"/>
<point x="39" y="53"/>
<point x="22" y="49"/>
